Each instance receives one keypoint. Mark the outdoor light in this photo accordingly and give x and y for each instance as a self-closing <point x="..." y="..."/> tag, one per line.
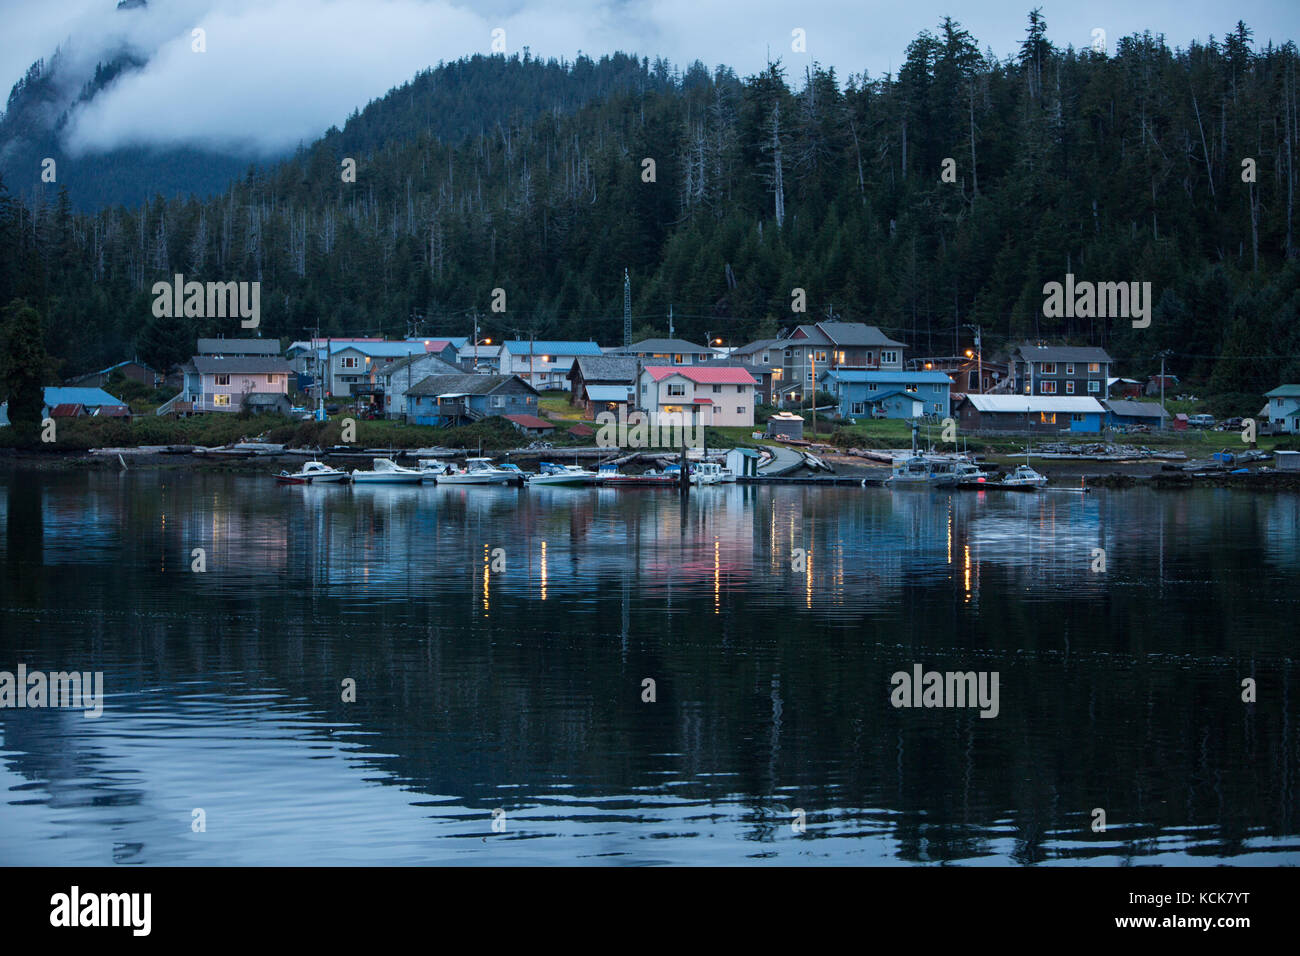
<point x="969" y="353"/>
<point x="928" y="366"/>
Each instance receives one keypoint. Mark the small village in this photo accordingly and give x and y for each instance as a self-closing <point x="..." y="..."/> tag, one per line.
<point x="827" y="402"/>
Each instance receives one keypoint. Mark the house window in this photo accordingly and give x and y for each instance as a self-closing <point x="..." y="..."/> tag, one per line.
<point x="349" y="361"/>
<point x="912" y="387"/>
<point x="221" y="400"/>
<point x="1076" y="417"/>
<point x="740" y="409"/>
<point x="888" y="358"/>
<point x="677" y="389"/>
<point x="767" y="358"/>
<point x="1094" y="368"/>
<point x="1069" y="368"/>
<point x="270" y="380"/>
<point x="677" y="360"/>
<point x="1069" y="388"/>
<point x="871" y="386"/>
<point x="1048" y="368"/>
<point x="1094" y="386"/>
<point x="839" y="357"/>
<point x="1047" y="388"/>
<point x="1047" y="418"/>
<point x="859" y="408"/>
<point x="221" y="380"/>
<point x="498" y="401"/>
<point x="821" y="356"/>
<point x="717" y="389"/>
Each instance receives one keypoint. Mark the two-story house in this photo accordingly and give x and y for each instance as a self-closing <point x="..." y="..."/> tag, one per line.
<point x="1284" y="409"/>
<point x="721" y="395"/>
<point x="399" y="376"/>
<point x="467" y="397"/>
<point x="1061" y="370"/>
<point x="811" y="349"/>
<point x="601" y="383"/>
<point x="355" y="368"/>
<point x="229" y="384"/>
<point x="546" y="364"/>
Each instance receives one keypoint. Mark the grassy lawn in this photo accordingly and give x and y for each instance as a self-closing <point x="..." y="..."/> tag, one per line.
<point x="557" y="403"/>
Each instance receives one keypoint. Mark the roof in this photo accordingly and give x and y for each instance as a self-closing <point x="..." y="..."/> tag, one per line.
<point x="667" y="345"/>
<point x="606" y="368"/>
<point x="90" y="397"/>
<point x="886" y="378"/>
<point x="237" y="365"/>
<point x="67" y="410"/>
<point x="520" y="347"/>
<point x="239" y="347"/>
<point x="1139" y="409"/>
<point x="463" y="383"/>
<point x="481" y="351"/>
<point x="581" y="429"/>
<point x="530" y="421"/>
<point x="436" y="366"/>
<point x="380" y="349"/>
<point x="786" y="417"/>
<point x="609" y="393"/>
<point x="114" y="411"/>
<point x="1062" y="353"/>
<point x="1026" y="404"/>
<point x="757" y="346"/>
<point x="703" y="374"/>
<point x="460" y="341"/>
<point x="881" y="396"/>
<point x="1284" y="391"/>
<point x="856" y="334"/>
<point x="806" y="335"/>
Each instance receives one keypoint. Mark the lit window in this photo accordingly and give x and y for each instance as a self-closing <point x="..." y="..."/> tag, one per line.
<point x="1069" y="388"/>
<point x="1047" y="388"/>
<point x="1049" y="368"/>
<point x="1094" y="367"/>
<point x="1069" y="368"/>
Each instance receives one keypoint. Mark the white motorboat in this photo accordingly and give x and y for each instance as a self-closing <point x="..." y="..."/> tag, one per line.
<point x="479" y="471"/>
<point x="1024" y="477"/>
<point x="311" y="473"/>
<point x="387" y="471"/>
<point x="552" y="474"/>
<point x="433" y="467"/>
<point x="923" y="471"/>
<point x="707" y="473"/>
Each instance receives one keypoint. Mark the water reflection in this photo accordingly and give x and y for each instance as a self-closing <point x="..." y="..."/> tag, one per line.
<point x="520" y="686"/>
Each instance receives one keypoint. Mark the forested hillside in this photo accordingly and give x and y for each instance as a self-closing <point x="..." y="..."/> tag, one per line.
<point x="1120" y="167"/>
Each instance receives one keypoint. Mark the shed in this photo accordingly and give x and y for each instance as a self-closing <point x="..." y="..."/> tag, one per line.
<point x="1180" y="422"/>
<point x="531" y="424"/>
<point x="1287" y="460"/>
<point x="743" y="462"/>
<point x="785" y="425"/>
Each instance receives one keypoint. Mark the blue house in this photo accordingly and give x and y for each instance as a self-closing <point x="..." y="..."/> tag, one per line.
<point x="890" y="394"/>
<point x="1123" y="413"/>
<point x="466" y="397"/>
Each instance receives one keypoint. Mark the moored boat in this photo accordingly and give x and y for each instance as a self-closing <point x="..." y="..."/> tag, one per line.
<point x="387" y="471"/>
<point x="312" y="472"/>
<point x="1024" y="478"/>
<point x="571" y="475"/>
<point x="480" y="471"/>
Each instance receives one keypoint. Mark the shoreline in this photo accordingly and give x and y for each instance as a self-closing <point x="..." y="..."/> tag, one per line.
<point x="1063" y="473"/>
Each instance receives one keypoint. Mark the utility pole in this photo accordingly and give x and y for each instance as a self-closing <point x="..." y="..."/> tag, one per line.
<point x="475" y="340"/>
<point x="670" y="319"/>
<point x="627" y="309"/>
<point x="1163" y="355"/>
<point x="979" y="358"/>
<point x="812" y="357"/>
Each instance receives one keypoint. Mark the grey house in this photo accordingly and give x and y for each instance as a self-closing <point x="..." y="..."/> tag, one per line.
<point x="1061" y="370"/>
<point x="396" y="378"/>
<point x="466" y="397"/>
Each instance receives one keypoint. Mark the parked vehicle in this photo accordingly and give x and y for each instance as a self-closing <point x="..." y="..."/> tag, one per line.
<point x="1201" y="421"/>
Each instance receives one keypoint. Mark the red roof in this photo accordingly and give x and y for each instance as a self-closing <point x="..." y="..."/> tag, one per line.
<point x="66" y="410"/>
<point x="582" y="430"/>
<point x="703" y="401"/>
<point x="436" y="345"/>
<point x="114" y="411"/>
<point x="702" y="374"/>
<point x="530" y="421"/>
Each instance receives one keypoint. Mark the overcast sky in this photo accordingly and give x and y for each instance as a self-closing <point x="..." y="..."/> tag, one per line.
<point x="277" y="72"/>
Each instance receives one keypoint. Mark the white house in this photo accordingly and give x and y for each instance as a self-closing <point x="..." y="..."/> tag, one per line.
<point x="1284" y="409"/>
<point x="714" y="395"/>
<point x="543" y="364"/>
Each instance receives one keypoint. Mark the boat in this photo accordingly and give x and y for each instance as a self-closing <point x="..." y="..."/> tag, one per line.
<point x="387" y="471"/>
<point x="516" y="471"/>
<point x="553" y="474"/>
<point x="922" y="471"/>
<point x="432" y="468"/>
<point x="480" y="471"/>
<point x="969" y="475"/>
<point x="707" y="473"/>
<point x="1024" y="477"/>
<point x="312" y="472"/>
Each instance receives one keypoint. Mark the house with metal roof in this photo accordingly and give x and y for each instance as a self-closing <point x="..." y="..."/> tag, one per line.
<point x="1030" y="413"/>
<point x="892" y="394"/>
<point x="221" y="383"/>
<point x="466" y="397"/>
<point x="667" y="352"/>
<point x="1126" y="413"/>
<point x="1061" y="370"/>
<point x="239" y="347"/>
<point x="1284" y="409"/>
<point x="600" y="383"/>
<point x="703" y="394"/>
<point x="543" y="364"/>
<point x="74" y="402"/>
<point x="810" y="350"/>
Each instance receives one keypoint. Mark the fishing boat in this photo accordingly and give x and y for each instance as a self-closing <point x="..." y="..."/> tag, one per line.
<point x="571" y="475"/>
<point x="969" y="475"/>
<point x="922" y="471"/>
<point x="1025" y="478"/>
<point x="312" y="472"/>
<point x="432" y="468"/>
<point x="479" y="471"/>
<point x="387" y="471"/>
<point x="612" y="477"/>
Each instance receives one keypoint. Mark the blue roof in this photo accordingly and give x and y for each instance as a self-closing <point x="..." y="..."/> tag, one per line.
<point x="518" y="347"/>
<point x="888" y="378"/>
<point x="93" y="397"/>
<point x="380" y="349"/>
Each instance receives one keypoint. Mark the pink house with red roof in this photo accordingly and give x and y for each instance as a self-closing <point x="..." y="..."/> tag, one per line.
<point x="705" y="394"/>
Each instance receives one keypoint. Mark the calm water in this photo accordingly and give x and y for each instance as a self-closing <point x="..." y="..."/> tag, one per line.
<point x="521" y="689"/>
